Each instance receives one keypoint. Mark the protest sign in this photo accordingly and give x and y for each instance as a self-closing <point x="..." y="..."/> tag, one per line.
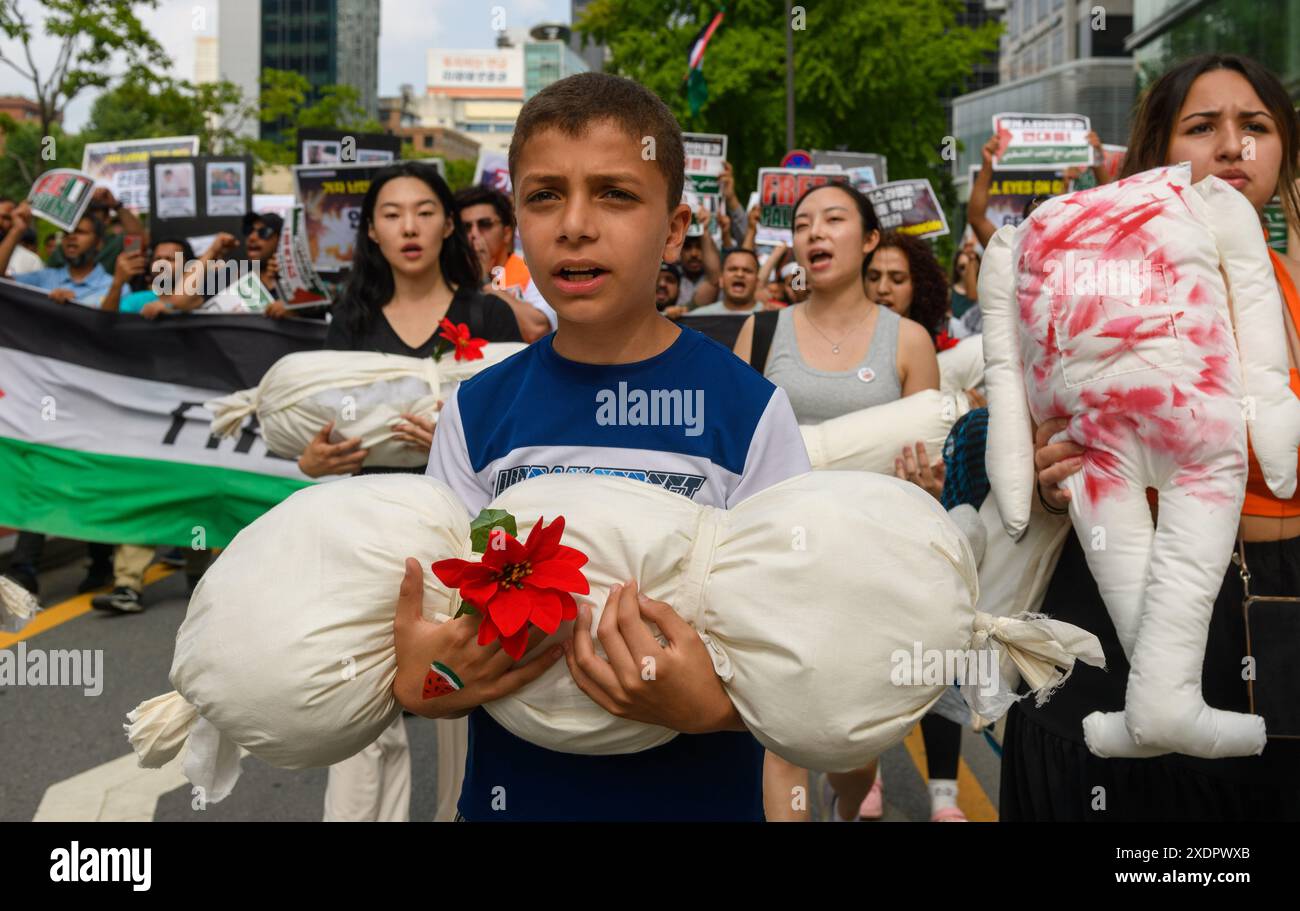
<point x="778" y="190"/>
<point x="200" y="195"/>
<point x="297" y="281"/>
<point x="1275" y="219"/>
<point x="328" y="146"/>
<point x="1033" y="142"/>
<point x="1113" y="162"/>
<point x="61" y="197"/>
<point x="851" y="161"/>
<point x="909" y="207"/>
<point x="123" y="166"/>
<point x="492" y="170"/>
<point x="278" y="203"/>
<point x="224" y="182"/>
<point x="331" y="201"/>
<point x="706" y="155"/>
<point x="1011" y="191"/>
<point x="248" y="295"/>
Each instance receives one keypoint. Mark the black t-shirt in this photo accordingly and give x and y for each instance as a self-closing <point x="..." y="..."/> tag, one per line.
<point x="496" y="323"/>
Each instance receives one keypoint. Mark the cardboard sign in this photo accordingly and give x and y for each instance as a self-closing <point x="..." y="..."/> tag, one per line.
<point x="706" y="155"/>
<point x="850" y="161"/>
<point x="331" y="202"/>
<point x="778" y="190"/>
<point x="123" y="167"/>
<point x="61" y="197"/>
<point x="1035" y="142"/>
<point x="493" y="170"/>
<point x="296" y="280"/>
<point x="199" y="196"/>
<point x="909" y="207"/>
<point x="1113" y="162"/>
<point x="1011" y="191"/>
<point x="248" y="295"/>
<point x="325" y="146"/>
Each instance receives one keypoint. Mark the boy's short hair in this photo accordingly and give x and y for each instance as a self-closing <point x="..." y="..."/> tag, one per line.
<point x="571" y="105"/>
<point x="488" y="196"/>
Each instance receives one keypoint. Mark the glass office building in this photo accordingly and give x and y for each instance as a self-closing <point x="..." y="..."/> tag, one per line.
<point x="1165" y="31"/>
<point x="547" y="61"/>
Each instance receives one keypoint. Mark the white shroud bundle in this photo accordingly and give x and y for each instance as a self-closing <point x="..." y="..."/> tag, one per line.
<point x="364" y="392"/>
<point x="824" y="602"/>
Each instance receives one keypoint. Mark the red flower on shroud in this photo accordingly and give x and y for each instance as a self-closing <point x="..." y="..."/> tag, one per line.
<point x="516" y="584"/>
<point x="466" y="348"/>
<point x="943" y="341"/>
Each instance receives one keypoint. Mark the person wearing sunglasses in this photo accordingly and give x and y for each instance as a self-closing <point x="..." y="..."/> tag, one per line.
<point x="261" y="234"/>
<point x="488" y="217"/>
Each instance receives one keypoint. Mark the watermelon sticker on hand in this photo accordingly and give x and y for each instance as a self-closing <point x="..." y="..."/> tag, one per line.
<point x="440" y="681"/>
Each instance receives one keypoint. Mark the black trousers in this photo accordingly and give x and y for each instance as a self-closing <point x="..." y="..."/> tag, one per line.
<point x="1047" y="771"/>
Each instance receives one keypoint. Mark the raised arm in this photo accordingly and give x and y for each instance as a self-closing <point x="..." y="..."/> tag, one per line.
<point x="977" y="208"/>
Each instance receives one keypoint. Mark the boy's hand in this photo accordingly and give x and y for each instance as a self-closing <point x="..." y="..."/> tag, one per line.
<point x="486" y="672"/>
<point x="674" y="686"/>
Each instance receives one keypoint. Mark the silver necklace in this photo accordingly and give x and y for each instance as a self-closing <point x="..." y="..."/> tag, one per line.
<point x="835" y="346"/>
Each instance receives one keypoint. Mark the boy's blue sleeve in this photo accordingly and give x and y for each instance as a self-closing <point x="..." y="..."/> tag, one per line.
<point x="776" y="451"/>
<point x="449" y="459"/>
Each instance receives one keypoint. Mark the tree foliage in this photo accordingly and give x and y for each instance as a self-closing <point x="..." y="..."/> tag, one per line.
<point x="91" y="34"/>
<point x="288" y="100"/>
<point x="145" y="106"/>
<point x="869" y="76"/>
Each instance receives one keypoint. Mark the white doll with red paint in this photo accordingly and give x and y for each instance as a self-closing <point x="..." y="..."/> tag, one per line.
<point x="1115" y="307"/>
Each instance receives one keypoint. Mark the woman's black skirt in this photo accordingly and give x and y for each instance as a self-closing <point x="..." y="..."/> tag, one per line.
<point x="1047" y="771"/>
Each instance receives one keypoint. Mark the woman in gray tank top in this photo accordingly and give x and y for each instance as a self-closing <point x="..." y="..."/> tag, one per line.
<point x="836" y="353"/>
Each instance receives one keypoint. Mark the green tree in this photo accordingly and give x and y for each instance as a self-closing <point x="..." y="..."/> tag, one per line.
<point x="460" y="173"/>
<point x="288" y="101"/>
<point x="28" y="151"/>
<point x="144" y="106"/>
<point x="91" y="34"/>
<point x="869" y="77"/>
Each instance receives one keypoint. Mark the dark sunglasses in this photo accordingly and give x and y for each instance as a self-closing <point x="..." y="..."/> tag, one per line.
<point x="484" y="225"/>
<point x="266" y="232"/>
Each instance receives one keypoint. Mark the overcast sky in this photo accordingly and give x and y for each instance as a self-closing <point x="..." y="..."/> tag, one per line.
<point x="407" y="29"/>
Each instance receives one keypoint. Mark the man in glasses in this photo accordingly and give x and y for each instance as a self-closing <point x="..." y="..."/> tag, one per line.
<point x="489" y="221"/>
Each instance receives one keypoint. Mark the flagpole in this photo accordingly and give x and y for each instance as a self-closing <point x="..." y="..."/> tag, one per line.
<point x="789" y="79"/>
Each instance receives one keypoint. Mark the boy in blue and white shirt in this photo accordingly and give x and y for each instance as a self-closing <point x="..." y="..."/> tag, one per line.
<point x="617" y="389"/>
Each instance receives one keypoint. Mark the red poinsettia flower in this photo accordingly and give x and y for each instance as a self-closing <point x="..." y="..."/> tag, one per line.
<point x="466" y="348"/>
<point x="943" y="341"/>
<point x="517" y="584"/>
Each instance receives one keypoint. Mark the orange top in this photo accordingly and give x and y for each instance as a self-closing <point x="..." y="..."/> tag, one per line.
<point x="516" y="273"/>
<point x="1259" y="499"/>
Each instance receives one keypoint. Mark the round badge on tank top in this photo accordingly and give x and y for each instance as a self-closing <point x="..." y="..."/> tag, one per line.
<point x="866" y="374"/>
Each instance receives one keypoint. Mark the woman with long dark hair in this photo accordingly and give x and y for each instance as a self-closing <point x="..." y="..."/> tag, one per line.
<point x="1231" y="118"/>
<point x="412" y="266"/>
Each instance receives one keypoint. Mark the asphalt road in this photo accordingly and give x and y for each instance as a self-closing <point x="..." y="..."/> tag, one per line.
<point x="64" y="755"/>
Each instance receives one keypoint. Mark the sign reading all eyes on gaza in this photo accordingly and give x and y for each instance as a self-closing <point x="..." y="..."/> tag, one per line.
<point x="1033" y="142"/>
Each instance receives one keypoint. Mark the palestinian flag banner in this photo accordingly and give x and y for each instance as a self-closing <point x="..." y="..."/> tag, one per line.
<point x="103" y="433"/>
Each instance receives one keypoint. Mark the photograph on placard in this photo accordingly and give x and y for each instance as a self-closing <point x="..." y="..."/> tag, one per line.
<point x="175" y="191"/>
<point x="225" y="184"/>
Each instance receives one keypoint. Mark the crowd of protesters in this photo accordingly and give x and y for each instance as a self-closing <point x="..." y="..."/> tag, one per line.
<point x="845" y="300"/>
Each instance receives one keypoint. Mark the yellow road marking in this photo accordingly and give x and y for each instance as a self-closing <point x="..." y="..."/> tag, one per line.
<point x="970" y="793"/>
<point x="72" y="609"/>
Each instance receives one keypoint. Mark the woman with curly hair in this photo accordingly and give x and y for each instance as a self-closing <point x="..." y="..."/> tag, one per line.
<point x="905" y="277"/>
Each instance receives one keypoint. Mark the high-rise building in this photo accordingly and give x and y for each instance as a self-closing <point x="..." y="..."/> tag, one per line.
<point x="1056" y="57"/>
<point x="1165" y="31"/>
<point x="547" y="59"/>
<point x="206" y="67"/>
<point x="329" y="42"/>
<point x="594" y="55"/>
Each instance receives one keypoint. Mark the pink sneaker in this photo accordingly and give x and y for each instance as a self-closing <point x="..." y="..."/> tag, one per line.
<point x="948" y="814"/>
<point x="873" y="805"/>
